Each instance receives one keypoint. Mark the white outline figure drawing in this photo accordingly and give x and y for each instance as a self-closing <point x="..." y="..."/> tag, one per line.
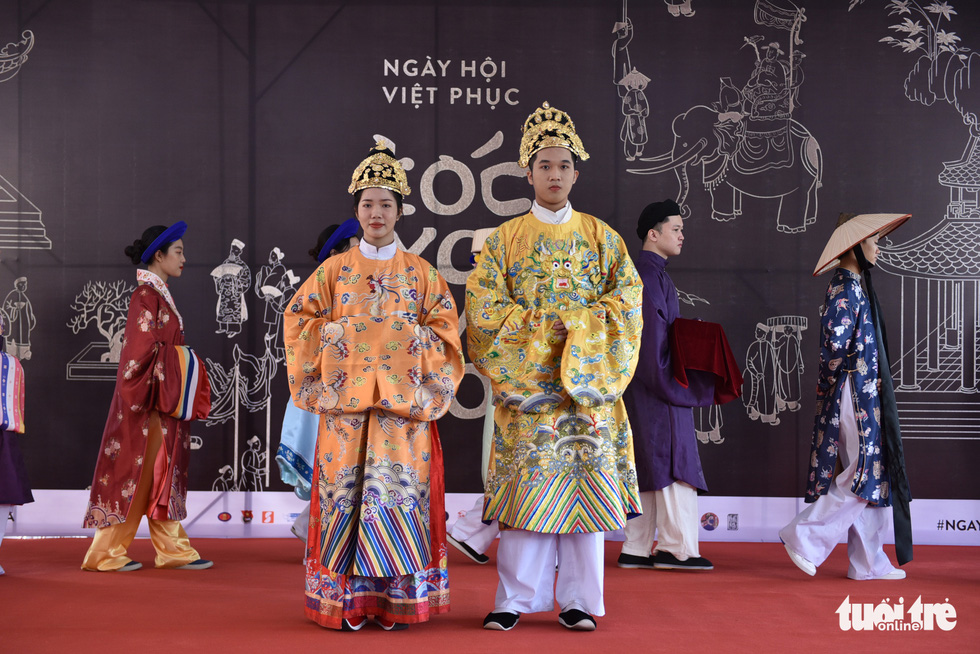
<point x="20" y="320"/>
<point x="773" y="369"/>
<point x="620" y="50"/>
<point x="104" y="305"/>
<point x="747" y="143"/>
<point x="246" y="383"/>
<point x="636" y="109"/>
<point x="759" y="391"/>
<point x="232" y="278"/>
<point x="708" y="422"/>
<point x="679" y="8"/>
<point x="940" y="268"/>
<point x="253" y="466"/>
<point x="275" y="285"/>
<point x="225" y="480"/>
<point x="786" y="336"/>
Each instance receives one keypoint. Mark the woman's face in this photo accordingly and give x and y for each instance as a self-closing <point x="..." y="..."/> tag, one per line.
<point x="377" y="212"/>
<point x="870" y="248"/>
<point x="171" y="263"/>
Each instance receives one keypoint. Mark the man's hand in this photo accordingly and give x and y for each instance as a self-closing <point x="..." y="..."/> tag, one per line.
<point x="559" y="330"/>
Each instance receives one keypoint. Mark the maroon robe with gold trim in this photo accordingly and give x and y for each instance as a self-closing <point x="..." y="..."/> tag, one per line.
<point x="148" y="381"/>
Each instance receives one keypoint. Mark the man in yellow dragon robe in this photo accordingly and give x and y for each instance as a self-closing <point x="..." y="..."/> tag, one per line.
<point x="554" y="315"/>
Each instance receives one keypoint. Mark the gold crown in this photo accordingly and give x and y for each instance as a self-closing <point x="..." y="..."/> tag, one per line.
<point x="548" y="127"/>
<point x="380" y="170"/>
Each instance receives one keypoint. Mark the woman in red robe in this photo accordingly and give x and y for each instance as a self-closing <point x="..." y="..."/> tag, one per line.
<point x="160" y="386"/>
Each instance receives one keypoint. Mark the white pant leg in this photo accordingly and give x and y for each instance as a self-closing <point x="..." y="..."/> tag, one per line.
<point x="526" y="569"/>
<point x="470" y="529"/>
<point x="640" y="532"/>
<point x="4" y="510"/>
<point x="817" y="529"/>
<point x="580" y="572"/>
<point x="301" y="526"/>
<point x="865" y="538"/>
<point x="4" y="518"/>
<point x="677" y="520"/>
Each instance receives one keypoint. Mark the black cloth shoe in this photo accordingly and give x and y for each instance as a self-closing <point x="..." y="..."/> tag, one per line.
<point x="578" y="620"/>
<point x="390" y="625"/>
<point x="129" y="567"/>
<point x="635" y="562"/>
<point x="502" y="621"/>
<point x="470" y="553"/>
<point x="354" y="624"/>
<point x="200" y="564"/>
<point x="667" y="561"/>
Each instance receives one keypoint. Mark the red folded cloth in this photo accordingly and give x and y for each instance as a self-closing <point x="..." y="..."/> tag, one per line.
<point x="700" y="345"/>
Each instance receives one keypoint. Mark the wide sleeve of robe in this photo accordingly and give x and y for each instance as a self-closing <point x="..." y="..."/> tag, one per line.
<point x="188" y="397"/>
<point x="600" y="351"/>
<point x="655" y="372"/>
<point x="593" y="364"/>
<point x="500" y="321"/>
<point x="149" y="364"/>
<point x="404" y="356"/>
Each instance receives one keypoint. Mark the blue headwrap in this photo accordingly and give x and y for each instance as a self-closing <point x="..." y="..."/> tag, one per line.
<point x="346" y="229"/>
<point x="169" y="235"/>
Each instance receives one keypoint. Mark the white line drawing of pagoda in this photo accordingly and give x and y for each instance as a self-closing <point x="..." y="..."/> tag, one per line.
<point x="20" y="219"/>
<point x="935" y="369"/>
<point x="940" y="272"/>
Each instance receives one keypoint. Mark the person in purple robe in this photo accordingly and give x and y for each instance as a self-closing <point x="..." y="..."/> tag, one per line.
<point x="661" y="413"/>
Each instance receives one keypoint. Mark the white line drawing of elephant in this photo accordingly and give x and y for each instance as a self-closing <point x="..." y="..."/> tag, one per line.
<point x="736" y="163"/>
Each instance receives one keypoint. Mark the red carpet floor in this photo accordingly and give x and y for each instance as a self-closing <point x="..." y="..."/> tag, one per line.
<point x="251" y="601"/>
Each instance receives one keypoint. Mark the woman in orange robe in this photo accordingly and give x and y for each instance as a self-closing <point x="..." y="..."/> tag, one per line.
<point x="372" y="346"/>
<point x="143" y="458"/>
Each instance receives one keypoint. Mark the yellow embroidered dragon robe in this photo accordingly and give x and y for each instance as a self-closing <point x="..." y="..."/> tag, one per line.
<point x="373" y="347"/>
<point x="562" y="459"/>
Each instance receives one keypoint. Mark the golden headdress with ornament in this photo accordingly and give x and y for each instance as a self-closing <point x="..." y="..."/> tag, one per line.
<point x="380" y="170"/>
<point x="548" y="127"/>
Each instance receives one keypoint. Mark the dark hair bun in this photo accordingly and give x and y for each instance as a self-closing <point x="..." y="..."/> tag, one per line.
<point x="135" y="251"/>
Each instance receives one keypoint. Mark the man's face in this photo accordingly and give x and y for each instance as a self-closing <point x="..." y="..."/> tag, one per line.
<point x="552" y="174"/>
<point x="669" y="238"/>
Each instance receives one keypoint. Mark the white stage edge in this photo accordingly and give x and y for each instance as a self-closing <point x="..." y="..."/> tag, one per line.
<point x="216" y="514"/>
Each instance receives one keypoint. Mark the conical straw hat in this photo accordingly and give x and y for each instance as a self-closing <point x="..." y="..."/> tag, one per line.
<point x="852" y="232"/>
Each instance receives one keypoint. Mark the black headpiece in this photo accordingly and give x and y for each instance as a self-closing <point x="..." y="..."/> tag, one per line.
<point x="654" y="214"/>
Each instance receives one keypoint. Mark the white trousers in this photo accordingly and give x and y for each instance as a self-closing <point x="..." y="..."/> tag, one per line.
<point x="670" y="516"/>
<point x="817" y="529"/>
<point x="526" y="568"/>
<point x="301" y="526"/>
<point x="4" y="516"/>
<point x="471" y="530"/>
<point x="5" y="510"/>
